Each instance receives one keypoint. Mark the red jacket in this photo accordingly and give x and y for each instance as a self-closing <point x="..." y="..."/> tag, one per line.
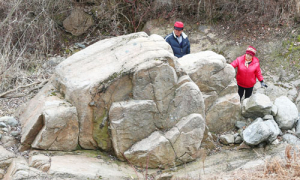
<point x="246" y="77"/>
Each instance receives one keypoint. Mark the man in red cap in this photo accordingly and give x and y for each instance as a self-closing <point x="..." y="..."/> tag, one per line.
<point x="248" y="69"/>
<point x="178" y="40"/>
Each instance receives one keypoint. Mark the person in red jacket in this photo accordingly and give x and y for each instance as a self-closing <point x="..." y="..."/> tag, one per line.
<point x="248" y="69"/>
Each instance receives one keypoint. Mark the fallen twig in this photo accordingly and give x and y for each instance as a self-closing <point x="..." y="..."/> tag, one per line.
<point x="3" y="95"/>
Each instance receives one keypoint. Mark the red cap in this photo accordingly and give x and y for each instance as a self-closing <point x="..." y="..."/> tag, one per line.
<point x="251" y="50"/>
<point x="178" y="25"/>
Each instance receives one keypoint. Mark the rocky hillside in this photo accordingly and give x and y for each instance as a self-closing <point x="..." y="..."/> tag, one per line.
<point x="30" y="55"/>
<point x="145" y="105"/>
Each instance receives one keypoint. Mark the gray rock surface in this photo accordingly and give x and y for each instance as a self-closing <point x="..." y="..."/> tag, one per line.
<point x="257" y="105"/>
<point x="61" y="129"/>
<point x="240" y="124"/>
<point x="214" y="77"/>
<point x="80" y="167"/>
<point x="6" y="157"/>
<point x="291" y="139"/>
<point x="19" y="169"/>
<point x="297" y="129"/>
<point x="78" y="22"/>
<point x="256" y="132"/>
<point x="131" y="122"/>
<point x="2" y="124"/>
<point x="287" y="114"/>
<point x="178" y="145"/>
<point x="40" y="162"/>
<point x="274" y="129"/>
<point x="227" y="139"/>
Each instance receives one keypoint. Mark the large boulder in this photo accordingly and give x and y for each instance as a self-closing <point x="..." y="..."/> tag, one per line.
<point x="49" y="122"/>
<point x="92" y="79"/>
<point x="61" y="129"/>
<point x="101" y="74"/>
<point x="208" y="70"/>
<point x="261" y="131"/>
<point x="215" y="78"/>
<point x="127" y="119"/>
<point x="224" y="113"/>
<point x="130" y="95"/>
<point x="258" y="105"/>
<point x="178" y="145"/>
<point x="287" y="113"/>
<point x="257" y="132"/>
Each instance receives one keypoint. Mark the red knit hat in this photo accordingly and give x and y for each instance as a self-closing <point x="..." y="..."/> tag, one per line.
<point x="178" y="25"/>
<point x="251" y="50"/>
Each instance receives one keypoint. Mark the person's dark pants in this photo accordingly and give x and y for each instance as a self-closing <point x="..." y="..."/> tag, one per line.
<point x="248" y="92"/>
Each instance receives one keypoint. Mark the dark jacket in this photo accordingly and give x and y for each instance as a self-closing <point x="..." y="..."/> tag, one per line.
<point x="181" y="49"/>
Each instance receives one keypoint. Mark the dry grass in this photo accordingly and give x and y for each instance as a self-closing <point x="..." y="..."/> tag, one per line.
<point x="31" y="31"/>
<point x="276" y="168"/>
<point x="28" y="34"/>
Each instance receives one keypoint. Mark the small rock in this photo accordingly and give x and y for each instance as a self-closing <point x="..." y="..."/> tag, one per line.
<point x="53" y="61"/>
<point x="290" y="132"/>
<point x="2" y="124"/>
<point x="240" y="124"/>
<point x="12" y="122"/>
<point x="227" y="139"/>
<point x="5" y="129"/>
<point x="15" y="133"/>
<point x="80" y="45"/>
<point x="238" y="140"/>
<point x="4" y="118"/>
<point x="268" y="117"/>
<point x="275" y="142"/>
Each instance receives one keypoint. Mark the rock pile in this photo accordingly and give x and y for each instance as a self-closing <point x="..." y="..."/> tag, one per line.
<point x="270" y="120"/>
